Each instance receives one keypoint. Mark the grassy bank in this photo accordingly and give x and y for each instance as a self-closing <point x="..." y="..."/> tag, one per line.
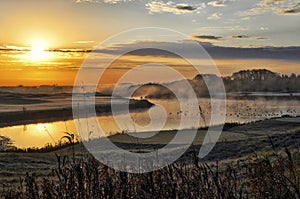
<point x="255" y="160"/>
<point x="275" y="175"/>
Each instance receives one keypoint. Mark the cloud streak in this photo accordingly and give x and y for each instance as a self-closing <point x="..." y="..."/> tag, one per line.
<point x="185" y="7"/>
<point x="280" y="7"/>
<point x="220" y="3"/>
<point x="206" y="37"/>
<point x="295" y="9"/>
<point x="262" y="38"/>
<point x="248" y="37"/>
<point x="233" y="28"/>
<point x="215" y="16"/>
<point x="170" y="7"/>
<point x="147" y="48"/>
<point x="240" y="36"/>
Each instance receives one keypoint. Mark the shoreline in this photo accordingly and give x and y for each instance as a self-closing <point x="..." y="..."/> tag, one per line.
<point x="237" y="140"/>
<point x="8" y="119"/>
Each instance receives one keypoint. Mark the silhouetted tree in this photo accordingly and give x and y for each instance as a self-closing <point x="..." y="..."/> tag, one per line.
<point x="6" y="143"/>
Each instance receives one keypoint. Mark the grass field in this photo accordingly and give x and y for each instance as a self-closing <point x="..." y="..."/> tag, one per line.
<point x="256" y="145"/>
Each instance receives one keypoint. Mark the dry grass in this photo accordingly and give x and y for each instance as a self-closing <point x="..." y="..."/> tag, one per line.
<point x="274" y="175"/>
<point x="274" y="172"/>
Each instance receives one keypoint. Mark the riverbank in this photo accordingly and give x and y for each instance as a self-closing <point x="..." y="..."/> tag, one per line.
<point x="60" y="114"/>
<point x="237" y="142"/>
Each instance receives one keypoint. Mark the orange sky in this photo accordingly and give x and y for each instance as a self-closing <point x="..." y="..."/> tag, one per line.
<point x="19" y="68"/>
<point x="81" y="24"/>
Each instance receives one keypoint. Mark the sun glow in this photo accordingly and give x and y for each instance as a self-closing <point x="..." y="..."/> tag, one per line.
<point x="38" y="50"/>
<point x="40" y="126"/>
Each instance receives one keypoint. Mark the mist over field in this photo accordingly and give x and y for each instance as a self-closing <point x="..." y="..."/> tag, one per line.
<point x="243" y="82"/>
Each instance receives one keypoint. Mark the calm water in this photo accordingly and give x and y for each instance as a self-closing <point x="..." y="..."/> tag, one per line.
<point x="242" y="111"/>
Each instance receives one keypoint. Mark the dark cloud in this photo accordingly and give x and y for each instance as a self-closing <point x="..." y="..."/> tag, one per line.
<point x="281" y="53"/>
<point x="171" y="7"/>
<point x="240" y="36"/>
<point x="185" y="7"/>
<point x="146" y="48"/>
<point x="292" y="10"/>
<point x="262" y="38"/>
<point x="248" y="37"/>
<point x="207" y="37"/>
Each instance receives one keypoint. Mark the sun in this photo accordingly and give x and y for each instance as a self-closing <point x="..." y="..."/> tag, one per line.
<point x="40" y="126"/>
<point x="38" y="50"/>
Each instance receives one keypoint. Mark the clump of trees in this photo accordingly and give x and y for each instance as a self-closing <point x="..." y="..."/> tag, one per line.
<point x="6" y="143"/>
<point x="261" y="80"/>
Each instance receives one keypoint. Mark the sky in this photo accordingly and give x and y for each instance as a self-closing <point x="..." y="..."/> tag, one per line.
<point x="237" y="34"/>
